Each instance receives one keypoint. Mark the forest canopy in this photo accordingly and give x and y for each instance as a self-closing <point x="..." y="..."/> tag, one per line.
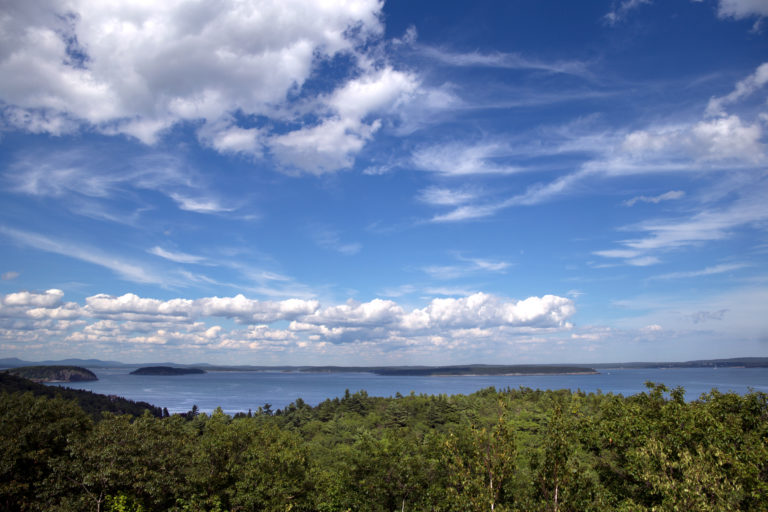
<point x="501" y="450"/>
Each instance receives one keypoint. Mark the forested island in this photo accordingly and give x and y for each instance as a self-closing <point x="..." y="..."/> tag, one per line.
<point x="166" y="370"/>
<point x="54" y="373"/>
<point x="486" y="369"/>
<point x="501" y="450"/>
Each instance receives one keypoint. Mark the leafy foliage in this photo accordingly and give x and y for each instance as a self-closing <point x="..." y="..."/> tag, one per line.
<point x="92" y="403"/>
<point x="508" y="450"/>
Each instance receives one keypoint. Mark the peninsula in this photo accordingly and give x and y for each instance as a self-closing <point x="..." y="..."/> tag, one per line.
<point x="54" y="373"/>
<point x="166" y="370"/>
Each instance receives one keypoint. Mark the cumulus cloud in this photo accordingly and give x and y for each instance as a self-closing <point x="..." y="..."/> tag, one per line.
<point x="238" y="307"/>
<point x="485" y="310"/>
<point x="331" y="144"/>
<point x="718" y="140"/>
<point x="48" y="298"/>
<point x="138" y="69"/>
<point x="130" y="319"/>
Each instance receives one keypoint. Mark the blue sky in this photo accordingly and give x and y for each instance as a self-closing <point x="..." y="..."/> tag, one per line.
<point x="297" y="182"/>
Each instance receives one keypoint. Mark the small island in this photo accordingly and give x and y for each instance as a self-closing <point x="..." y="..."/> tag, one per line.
<point x="166" y="370"/>
<point x="54" y="373"/>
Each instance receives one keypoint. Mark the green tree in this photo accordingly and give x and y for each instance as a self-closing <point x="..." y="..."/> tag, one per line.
<point x="34" y="432"/>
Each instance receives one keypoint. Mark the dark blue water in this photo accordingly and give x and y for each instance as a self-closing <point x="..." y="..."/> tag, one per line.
<point x="240" y="391"/>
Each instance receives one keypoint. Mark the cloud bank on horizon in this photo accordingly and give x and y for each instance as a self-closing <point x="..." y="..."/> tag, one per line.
<point x="300" y="182"/>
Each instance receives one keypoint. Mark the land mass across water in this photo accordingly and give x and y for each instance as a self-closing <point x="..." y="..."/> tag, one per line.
<point x="166" y="370"/>
<point x="452" y="370"/>
<point x="55" y="373"/>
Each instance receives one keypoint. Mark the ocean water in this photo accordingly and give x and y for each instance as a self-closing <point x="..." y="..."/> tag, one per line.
<point x="240" y="391"/>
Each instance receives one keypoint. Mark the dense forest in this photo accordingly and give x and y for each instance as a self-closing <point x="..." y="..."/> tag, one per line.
<point x="500" y="450"/>
<point x="91" y="403"/>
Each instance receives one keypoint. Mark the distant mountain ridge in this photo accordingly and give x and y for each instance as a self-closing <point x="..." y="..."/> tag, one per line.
<point x="14" y="362"/>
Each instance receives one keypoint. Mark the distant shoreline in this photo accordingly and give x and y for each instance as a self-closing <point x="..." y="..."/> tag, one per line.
<point x="543" y="374"/>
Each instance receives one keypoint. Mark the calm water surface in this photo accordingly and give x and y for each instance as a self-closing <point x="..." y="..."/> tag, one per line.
<point x="240" y="391"/>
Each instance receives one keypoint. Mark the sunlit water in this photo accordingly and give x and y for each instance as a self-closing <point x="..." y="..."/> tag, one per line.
<point x="240" y="391"/>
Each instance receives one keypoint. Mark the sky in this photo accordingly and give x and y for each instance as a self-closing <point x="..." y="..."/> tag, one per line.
<point x="353" y="182"/>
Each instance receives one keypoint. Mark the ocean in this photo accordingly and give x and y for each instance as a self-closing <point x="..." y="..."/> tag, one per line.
<point x="239" y="391"/>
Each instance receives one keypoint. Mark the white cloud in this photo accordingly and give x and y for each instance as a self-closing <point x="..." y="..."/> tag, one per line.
<point x="140" y="68"/>
<point x="178" y="257"/>
<point x="249" y="311"/>
<point x="47" y="299"/>
<point x="326" y="147"/>
<point x="87" y="182"/>
<point x="125" y="269"/>
<point x="483" y="310"/>
<point x="457" y="159"/>
<point x="714" y="144"/>
<point x="711" y="141"/>
<point x="708" y="271"/>
<point x="502" y="60"/>
<point x="666" y="196"/>
<point x="330" y="239"/>
<point x="445" y="196"/>
<point x="238" y="307"/>
<point x="129" y="319"/>
<point x="743" y="89"/>
<point x="748" y="211"/>
<point x="467" y="267"/>
<point x="226" y="138"/>
<point x="331" y="144"/>
<point x="469" y="212"/>
<point x="739" y="9"/>
<point x="10" y="275"/>
<point x="620" y="11"/>
<point x="198" y="204"/>
<point x="377" y="312"/>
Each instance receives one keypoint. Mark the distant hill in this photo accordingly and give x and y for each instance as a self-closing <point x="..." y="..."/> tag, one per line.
<point x="92" y="403"/>
<point x="166" y="370"/>
<point x="481" y="369"/>
<point x="734" y="362"/>
<point x="14" y="362"/>
<point x="54" y="373"/>
<point x="745" y="362"/>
